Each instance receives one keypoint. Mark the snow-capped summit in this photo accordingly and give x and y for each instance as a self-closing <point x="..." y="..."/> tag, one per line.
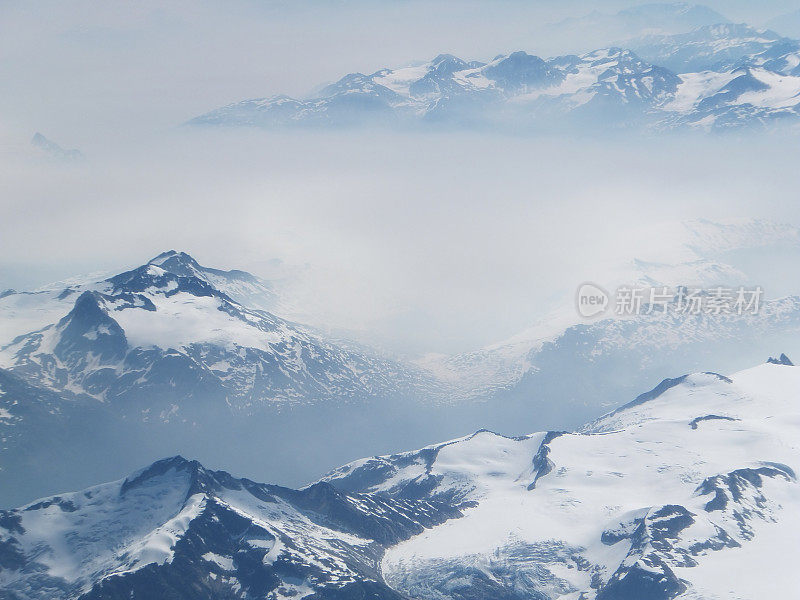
<point x="136" y="334"/>
<point x="241" y="286"/>
<point x="25" y="311"/>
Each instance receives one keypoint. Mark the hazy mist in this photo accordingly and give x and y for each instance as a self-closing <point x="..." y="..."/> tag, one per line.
<point x="417" y="242"/>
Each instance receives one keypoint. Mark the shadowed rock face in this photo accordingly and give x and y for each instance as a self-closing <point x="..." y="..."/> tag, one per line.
<point x="88" y="328"/>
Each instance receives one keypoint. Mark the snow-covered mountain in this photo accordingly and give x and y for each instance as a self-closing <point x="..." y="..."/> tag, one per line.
<point x="690" y="491"/>
<point x="25" y="311"/>
<point x="172" y="330"/>
<point x="687" y="492"/>
<point x="718" y="47"/>
<point x="714" y="78"/>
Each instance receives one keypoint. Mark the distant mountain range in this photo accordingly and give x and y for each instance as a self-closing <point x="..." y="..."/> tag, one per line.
<point x="715" y="78"/>
<point x="689" y="491"/>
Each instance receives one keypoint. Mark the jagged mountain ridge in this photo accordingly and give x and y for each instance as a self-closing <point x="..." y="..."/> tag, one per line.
<point x="178" y="530"/>
<point x="717" y="77"/>
<point x="671" y="496"/>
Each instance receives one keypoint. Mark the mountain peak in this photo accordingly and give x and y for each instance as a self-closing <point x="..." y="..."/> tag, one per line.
<point x="781" y="360"/>
<point x="163" y="256"/>
<point x="185" y="265"/>
<point x="170" y="272"/>
<point x="171" y="258"/>
<point x="444" y="57"/>
<point x="447" y="64"/>
<point x="161" y="468"/>
<point x="52" y="149"/>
